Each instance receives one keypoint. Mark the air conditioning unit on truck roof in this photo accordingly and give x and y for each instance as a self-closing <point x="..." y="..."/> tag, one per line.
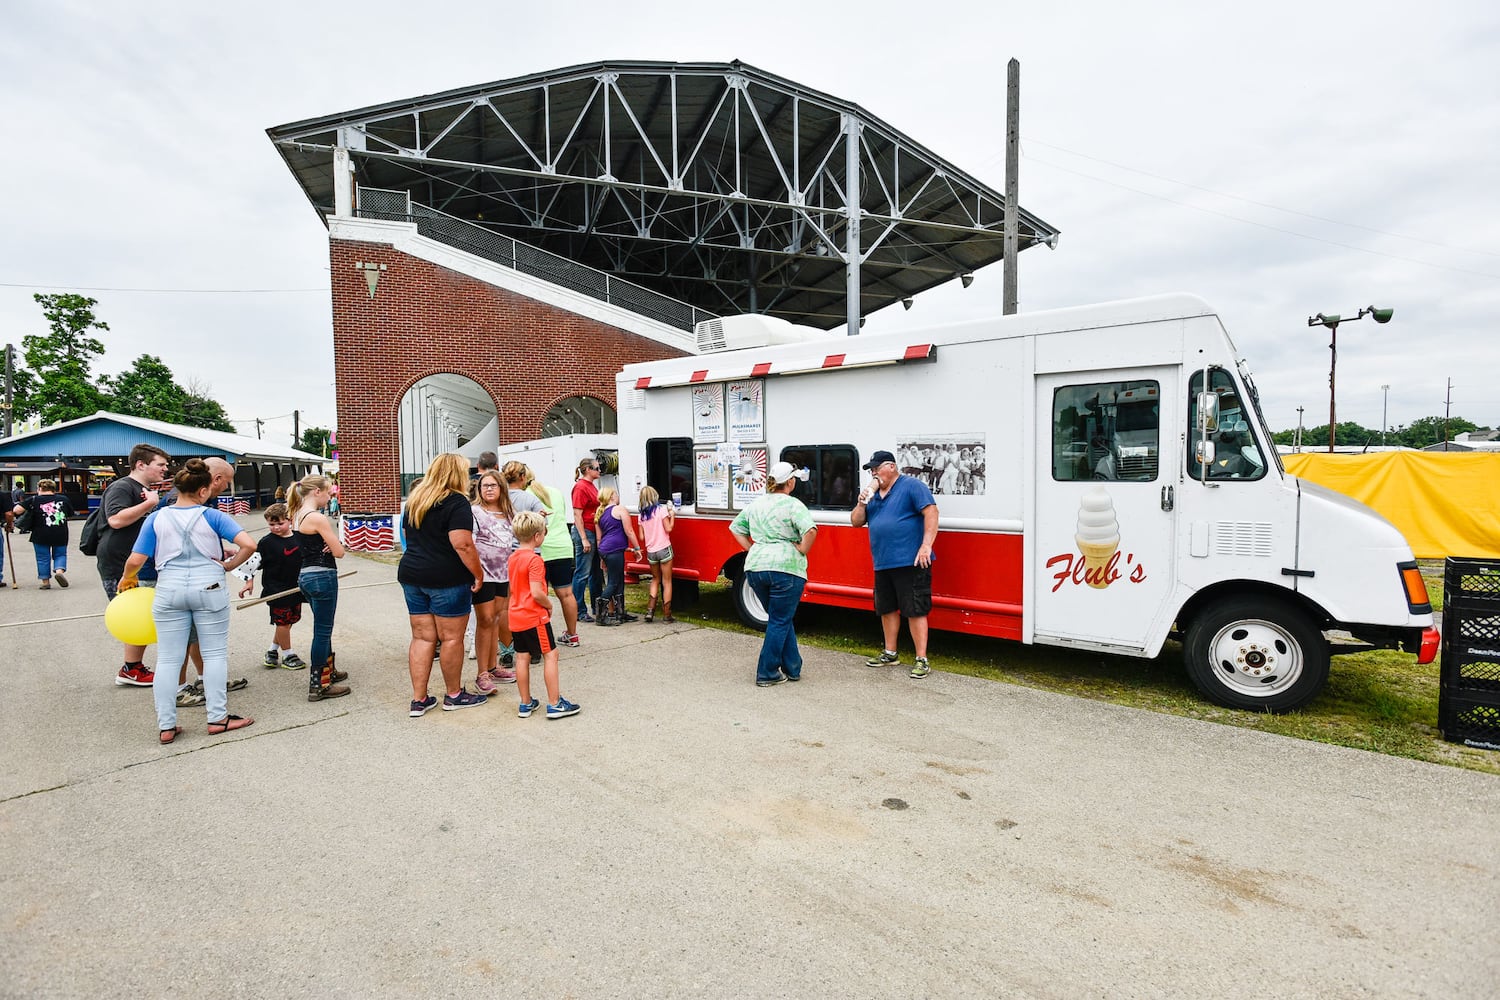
<point x="731" y="333"/>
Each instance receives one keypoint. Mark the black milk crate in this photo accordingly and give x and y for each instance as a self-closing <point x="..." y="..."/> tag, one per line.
<point x="1467" y="627"/>
<point x="1471" y="668"/>
<point x="1471" y="583"/>
<point x="1472" y="721"/>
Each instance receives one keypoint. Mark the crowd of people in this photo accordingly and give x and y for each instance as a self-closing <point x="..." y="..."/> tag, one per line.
<point x="482" y="560"/>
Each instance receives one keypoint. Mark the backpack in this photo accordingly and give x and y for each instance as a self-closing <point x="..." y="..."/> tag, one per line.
<point x="27" y="520"/>
<point x="93" y="529"/>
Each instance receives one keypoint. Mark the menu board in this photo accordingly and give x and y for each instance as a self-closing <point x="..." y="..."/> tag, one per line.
<point x="708" y="412"/>
<point x="712" y="480"/>
<point x="750" y="475"/>
<point x="746" y="404"/>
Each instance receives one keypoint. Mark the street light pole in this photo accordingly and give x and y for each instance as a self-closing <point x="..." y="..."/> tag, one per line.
<point x="1385" y="400"/>
<point x="1332" y="321"/>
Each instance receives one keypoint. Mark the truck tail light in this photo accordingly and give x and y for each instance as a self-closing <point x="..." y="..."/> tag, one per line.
<point x="1416" y="589"/>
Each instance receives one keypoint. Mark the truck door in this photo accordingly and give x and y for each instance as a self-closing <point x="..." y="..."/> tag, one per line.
<point x="1103" y="531"/>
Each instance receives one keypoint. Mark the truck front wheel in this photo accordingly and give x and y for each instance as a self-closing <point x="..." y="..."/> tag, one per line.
<point x="1256" y="653"/>
<point x="751" y="611"/>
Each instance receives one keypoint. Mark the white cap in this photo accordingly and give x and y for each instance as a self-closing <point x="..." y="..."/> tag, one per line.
<point x="783" y="471"/>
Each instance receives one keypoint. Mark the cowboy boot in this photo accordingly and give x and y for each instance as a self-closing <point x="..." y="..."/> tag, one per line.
<point x="651" y="609"/>
<point x="323" y="687"/>
<point x="666" y="613"/>
<point x="335" y="676"/>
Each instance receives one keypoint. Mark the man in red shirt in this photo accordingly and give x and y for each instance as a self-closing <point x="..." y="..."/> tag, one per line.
<point x="531" y="618"/>
<point x="588" y="574"/>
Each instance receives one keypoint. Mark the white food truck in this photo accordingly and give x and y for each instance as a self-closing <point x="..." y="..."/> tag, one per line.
<point x="1104" y="477"/>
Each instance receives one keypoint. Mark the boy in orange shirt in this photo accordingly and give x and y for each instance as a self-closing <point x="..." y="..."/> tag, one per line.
<point x="531" y="618"/>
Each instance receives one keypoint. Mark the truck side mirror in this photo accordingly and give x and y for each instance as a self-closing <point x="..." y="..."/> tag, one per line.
<point x="1205" y="452"/>
<point x="1208" y="412"/>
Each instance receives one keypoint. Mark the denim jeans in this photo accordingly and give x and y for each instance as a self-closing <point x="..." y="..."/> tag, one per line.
<point x="49" y="558"/>
<point x="184" y="601"/>
<point x="779" y="594"/>
<point x="320" y="588"/>
<point x="588" y="576"/>
<point x="614" y="567"/>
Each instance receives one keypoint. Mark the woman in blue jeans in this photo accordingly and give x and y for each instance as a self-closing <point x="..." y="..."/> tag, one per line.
<point x="319" y="580"/>
<point x="186" y="540"/>
<point x="777" y="531"/>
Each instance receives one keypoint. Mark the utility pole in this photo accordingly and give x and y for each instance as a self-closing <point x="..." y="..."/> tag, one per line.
<point x="10" y="374"/>
<point x="1447" y="408"/>
<point x="1011" y="245"/>
<point x="296" y="428"/>
<point x="1297" y="442"/>
<point x="1385" y="394"/>
<point x="258" y="422"/>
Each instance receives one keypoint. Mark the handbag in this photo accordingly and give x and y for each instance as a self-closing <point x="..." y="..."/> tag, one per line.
<point x="27" y="519"/>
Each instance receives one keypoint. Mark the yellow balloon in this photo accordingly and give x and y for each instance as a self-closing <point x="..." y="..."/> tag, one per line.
<point x="128" y="617"/>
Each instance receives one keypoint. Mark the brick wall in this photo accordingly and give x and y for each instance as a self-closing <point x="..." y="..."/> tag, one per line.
<point x="426" y="319"/>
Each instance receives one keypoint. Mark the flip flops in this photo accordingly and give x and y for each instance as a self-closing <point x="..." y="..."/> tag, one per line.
<point x="228" y="723"/>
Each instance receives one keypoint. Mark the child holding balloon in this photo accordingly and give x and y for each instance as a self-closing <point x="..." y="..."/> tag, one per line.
<point x="186" y="541"/>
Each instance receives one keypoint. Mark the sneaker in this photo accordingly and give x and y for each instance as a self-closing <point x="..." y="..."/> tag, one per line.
<point x="62" y="581"/>
<point x="562" y="709"/>
<point x="137" y="676"/>
<point x="503" y="676"/>
<point x="238" y="685"/>
<point x="484" y="683"/>
<point x="326" y="692"/>
<point x="885" y="659"/>
<point x="794" y="678"/>
<point x="527" y="707"/>
<point x="292" y="661"/>
<point x="421" y="708"/>
<point x="452" y="703"/>
<point x="271" y="660"/>
<point x="571" y="640"/>
<point x="584" y="616"/>
<point x="778" y="679"/>
<point x="188" y="698"/>
<point x="920" y="669"/>
<point x="507" y="655"/>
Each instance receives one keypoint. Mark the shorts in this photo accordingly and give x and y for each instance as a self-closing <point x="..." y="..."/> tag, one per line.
<point x="536" y="641"/>
<point x="490" y="591"/>
<point x="660" y="555"/>
<point x="905" y="588"/>
<point x="440" y="602"/>
<point x="560" y="572"/>
<point x="112" y="585"/>
<point x="286" y="612"/>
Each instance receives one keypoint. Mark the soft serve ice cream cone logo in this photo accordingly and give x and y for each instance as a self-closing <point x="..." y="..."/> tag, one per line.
<point x="1098" y="562"/>
<point x="1098" y="536"/>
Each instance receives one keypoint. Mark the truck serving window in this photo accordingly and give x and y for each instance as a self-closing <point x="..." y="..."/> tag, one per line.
<point x="1107" y="430"/>
<point x="669" y="467"/>
<point x="832" y="483"/>
<point x="1236" y="453"/>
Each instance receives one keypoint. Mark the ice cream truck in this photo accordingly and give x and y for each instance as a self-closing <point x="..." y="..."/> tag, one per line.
<point x="1104" y="477"/>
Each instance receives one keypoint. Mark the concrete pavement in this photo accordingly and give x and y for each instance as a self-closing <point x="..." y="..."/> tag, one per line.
<point x="690" y="835"/>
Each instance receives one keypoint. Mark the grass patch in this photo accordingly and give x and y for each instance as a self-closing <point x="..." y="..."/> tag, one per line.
<point x="1381" y="700"/>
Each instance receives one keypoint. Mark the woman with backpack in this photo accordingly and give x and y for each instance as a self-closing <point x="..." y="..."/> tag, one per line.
<point x="46" y="515"/>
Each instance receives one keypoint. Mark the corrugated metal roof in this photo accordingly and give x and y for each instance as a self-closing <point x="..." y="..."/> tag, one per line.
<point x="105" y="433"/>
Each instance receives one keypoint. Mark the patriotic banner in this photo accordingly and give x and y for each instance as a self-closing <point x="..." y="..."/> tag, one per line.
<point x="369" y="534"/>
<point x="234" y="506"/>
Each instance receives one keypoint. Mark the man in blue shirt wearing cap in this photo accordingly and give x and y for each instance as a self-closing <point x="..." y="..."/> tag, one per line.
<point x="903" y="520"/>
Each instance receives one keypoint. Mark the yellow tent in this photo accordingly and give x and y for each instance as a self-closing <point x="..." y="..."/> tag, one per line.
<point x="1445" y="503"/>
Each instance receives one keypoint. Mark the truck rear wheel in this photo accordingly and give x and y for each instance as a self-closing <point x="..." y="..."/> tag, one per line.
<point x="1256" y="653"/>
<point x="750" y="610"/>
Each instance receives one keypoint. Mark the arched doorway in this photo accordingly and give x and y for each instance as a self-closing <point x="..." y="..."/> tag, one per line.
<point x="444" y="412"/>
<point x="579" y="415"/>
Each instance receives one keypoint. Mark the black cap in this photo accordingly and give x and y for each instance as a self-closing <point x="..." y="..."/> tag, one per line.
<point x="877" y="459"/>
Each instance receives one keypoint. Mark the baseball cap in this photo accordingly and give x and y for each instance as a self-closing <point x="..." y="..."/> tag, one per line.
<point x="783" y="471"/>
<point x="878" y="459"/>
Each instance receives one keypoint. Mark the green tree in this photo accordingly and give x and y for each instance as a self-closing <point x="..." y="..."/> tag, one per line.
<point x="314" y="440"/>
<point x="1426" y="431"/>
<point x="62" y="359"/>
<point x="148" y="389"/>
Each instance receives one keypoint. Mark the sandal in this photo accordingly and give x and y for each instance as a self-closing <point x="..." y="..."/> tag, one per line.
<point x="228" y="723"/>
<point x="168" y="735"/>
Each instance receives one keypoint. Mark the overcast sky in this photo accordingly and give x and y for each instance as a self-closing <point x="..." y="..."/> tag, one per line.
<point x="1280" y="160"/>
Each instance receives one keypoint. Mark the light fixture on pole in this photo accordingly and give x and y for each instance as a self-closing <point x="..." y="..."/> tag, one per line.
<point x="1332" y="321"/>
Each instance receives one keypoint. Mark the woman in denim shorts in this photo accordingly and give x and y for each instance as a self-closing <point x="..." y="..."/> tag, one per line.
<point x="439" y="573"/>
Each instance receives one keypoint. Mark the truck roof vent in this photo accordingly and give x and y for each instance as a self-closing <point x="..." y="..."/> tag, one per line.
<point x="732" y="333"/>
